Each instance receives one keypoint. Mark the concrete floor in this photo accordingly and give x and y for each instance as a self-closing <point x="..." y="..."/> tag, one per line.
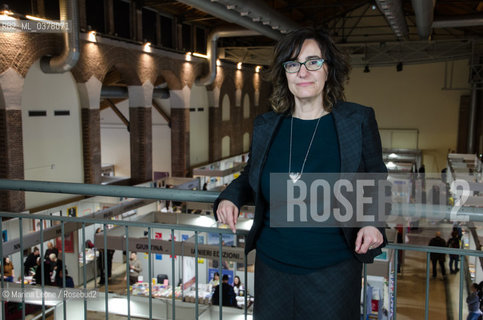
<point x="443" y="293"/>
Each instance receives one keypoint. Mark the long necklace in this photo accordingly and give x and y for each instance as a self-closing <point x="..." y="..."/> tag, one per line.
<point x="295" y="176"/>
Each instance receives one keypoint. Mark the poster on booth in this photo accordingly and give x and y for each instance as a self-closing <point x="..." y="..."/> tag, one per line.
<point x="229" y="273"/>
<point x="189" y="272"/>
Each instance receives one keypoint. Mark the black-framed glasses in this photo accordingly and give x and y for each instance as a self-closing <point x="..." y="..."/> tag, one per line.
<point x="311" y="65"/>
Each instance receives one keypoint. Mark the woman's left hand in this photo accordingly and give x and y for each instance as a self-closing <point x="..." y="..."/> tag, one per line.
<point x="368" y="238"/>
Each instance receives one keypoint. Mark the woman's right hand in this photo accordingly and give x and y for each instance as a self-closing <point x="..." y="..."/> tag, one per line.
<point x="227" y="213"/>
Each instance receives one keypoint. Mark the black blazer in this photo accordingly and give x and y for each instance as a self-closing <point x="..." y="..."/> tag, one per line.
<point x="360" y="151"/>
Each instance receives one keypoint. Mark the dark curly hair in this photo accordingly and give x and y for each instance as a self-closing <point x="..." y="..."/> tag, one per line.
<point x="282" y="100"/>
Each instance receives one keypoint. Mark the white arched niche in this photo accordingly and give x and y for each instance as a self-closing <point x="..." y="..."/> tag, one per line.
<point x="225" y="147"/>
<point x="225" y="108"/>
<point x="52" y="132"/>
<point x="246" y="106"/>
<point x="246" y="142"/>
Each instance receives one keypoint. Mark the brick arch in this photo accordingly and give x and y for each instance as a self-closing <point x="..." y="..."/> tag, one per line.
<point x="20" y="57"/>
<point x="159" y="80"/>
<point x="126" y="75"/>
<point x="173" y="81"/>
<point x="97" y="60"/>
<point x="129" y="75"/>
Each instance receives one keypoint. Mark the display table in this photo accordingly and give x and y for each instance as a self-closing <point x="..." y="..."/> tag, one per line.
<point x="166" y="292"/>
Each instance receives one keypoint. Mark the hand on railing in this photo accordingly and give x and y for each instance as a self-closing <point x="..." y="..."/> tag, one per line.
<point x="368" y="238"/>
<point x="227" y="213"/>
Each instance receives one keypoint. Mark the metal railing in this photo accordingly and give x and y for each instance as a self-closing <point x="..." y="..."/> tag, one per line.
<point x="174" y="195"/>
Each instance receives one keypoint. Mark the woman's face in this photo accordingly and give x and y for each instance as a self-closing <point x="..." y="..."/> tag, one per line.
<point x="304" y="84"/>
<point x="7" y="260"/>
<point x="236" y="280"/>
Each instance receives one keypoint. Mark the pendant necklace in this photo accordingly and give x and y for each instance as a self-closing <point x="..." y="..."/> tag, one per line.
<point x="295" y="176"/>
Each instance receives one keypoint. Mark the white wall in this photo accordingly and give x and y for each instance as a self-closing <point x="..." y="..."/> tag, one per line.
<point x="225" y="108"/>
<point x="225" y="147"/>
<point x="53" y="144"/>
<point x="413" y="98"/>
<point x="199" y="122"/>
<point x="115" y="140"/>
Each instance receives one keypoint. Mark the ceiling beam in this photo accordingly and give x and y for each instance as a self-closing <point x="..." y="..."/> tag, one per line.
<point x="119" y="113"/>
<point x="163" y="114"/>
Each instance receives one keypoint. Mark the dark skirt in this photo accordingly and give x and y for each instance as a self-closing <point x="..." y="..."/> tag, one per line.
<point x="329" y="293"/>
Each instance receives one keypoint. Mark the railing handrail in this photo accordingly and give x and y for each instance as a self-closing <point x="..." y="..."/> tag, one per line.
<point x="142" y="224"/>
<point x="398" y="209"/>
<point x="109" y="190"/>
<point x="432" y="249"/>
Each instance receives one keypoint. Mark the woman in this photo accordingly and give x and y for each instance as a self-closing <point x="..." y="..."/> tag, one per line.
<point x="306" y="273"/>
<point x="215" y="281"/>
<point x="8" y="271"/>
<point x="237" y="285"/>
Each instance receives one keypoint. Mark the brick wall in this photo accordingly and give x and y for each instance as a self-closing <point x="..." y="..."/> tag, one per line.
<point x="11" y="158"/>
<point x="237" y="125"/>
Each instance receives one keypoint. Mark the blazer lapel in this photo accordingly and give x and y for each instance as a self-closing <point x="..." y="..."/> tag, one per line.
<point x="350" y="139"/>
<point x="263" y="133"/>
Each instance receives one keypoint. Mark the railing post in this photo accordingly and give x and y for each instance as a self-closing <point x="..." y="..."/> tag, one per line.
<point x="173" y="284"/>
<point x="364" y="292"/>
<point x="128" y="284"/>
<point x="396" y="261"/>
<point x="246" y="283"/>
<point x="460" y="306"/>
<point x="106" y="278"/>
<point x="64" y="272"/>
<point x="20" y="226"/>
<point x="150" y="276"/>
<point x="1" y="267"/>
<point x="84" y="269"/>
<point x="196" y="276"/>
<point x="220" y="271"/>
<point x="42" y="269"/>
<point x="426" y="303"/>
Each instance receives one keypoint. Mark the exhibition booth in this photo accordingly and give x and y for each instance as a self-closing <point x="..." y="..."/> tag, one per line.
<point x="161" y="277"/>
<point x="215" y="176"/>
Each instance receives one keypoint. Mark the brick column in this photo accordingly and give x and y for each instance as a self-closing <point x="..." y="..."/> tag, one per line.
<point x="90" y="96"/>
<point x="11" y="140"/>
<point x="141" y="132"/>
<point x="180" y="146"/>
<point x="180" y="132"/>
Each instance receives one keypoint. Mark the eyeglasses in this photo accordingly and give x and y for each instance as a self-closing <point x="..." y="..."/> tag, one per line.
<point x="311" y="65"/>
